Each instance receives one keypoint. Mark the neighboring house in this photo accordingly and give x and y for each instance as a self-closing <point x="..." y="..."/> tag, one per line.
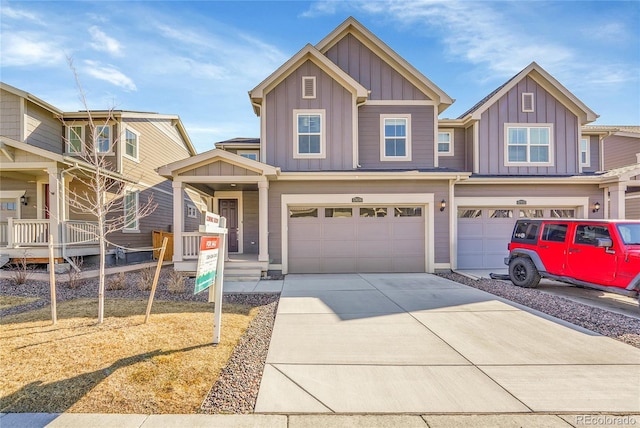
<point x="618" y="149"/>
<point x="356" y="173"/>
<point x="40" y="165"/>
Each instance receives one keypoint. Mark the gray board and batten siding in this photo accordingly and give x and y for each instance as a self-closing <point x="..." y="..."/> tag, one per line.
<point x="458" y="161"/>
<point x="422" y="134"/>
<point x="371" y="71"/>
<point x="547" y="110"/>
<point x="620" y="151"/>
<point x="440" y="190"/>
<point x="287" y="97"/>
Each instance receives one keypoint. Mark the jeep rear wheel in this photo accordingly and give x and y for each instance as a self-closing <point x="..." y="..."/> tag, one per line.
<point x="523" y="272"/>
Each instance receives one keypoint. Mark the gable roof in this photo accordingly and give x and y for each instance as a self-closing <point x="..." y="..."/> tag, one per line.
<point x="214" y="155"/>
<point x="307" y="53"/>
<point x="371" y="41"/>
<point x="29" y="97"/>
<point x="544" y="79"/>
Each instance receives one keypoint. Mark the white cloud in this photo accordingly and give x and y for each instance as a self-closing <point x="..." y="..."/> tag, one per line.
<point x="101" y="42"/>
<point x="25" y="48"/>
<point x="19" y="14"/>
<point x="108" y="73"/>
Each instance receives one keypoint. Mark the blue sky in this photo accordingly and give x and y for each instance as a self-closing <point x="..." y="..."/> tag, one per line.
<point x="199" y="59"/>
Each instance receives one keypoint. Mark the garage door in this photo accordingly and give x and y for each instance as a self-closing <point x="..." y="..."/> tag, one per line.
<point x="356" y="239"/>
<point x="484" y="233"/>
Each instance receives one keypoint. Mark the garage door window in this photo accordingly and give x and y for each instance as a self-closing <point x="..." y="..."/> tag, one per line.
<point x="373" y="212"/>
<point x="464" y="213"/>
<point x="407" y="212"/>
<point x="563" y="213"/>
<point x="338" y="212"/>
<point x="500" y="213"/>
<point x="301" y="212"/>
<point x="530" y="213"/>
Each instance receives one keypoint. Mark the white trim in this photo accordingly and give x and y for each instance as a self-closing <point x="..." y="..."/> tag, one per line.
<point x="442" y="266"/>
<point x="383" y="155"/>
<point x="366" y="175"/>
<point x="476" y="148"/>
<point x="313" y="87"/>
<point x="580" y="203"/>
<point x="95" y="140"/>
<point x="354" y="131"/>
<point x="323" y="134"/>
<point x="67" y="145"/>
<point x="425" y="200"/>
<point x="529" y="95"/>
<point x="123" y="137"/>
<point x="126" y="228"/>
<point x="232" y="194"/>
<point x="400" y="103"/>
<point x="528" y="127"/>
<point x="451" y="133"/>
<point x="436" y="158"/>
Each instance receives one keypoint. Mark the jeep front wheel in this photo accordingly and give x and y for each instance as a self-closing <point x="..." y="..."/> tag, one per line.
<point x="523" y="272"/>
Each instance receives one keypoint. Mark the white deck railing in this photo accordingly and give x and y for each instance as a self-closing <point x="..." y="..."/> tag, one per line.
<point x="80" y="232"/>
<point x="191" y="245"/>
<point x="35" y="233"/>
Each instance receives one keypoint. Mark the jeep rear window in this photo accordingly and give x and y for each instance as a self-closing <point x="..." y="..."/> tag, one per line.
<point x="525" y="231"/>
<point x="554" y="232"/>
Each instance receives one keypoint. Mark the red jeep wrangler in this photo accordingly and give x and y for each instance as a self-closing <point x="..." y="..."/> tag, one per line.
<point x="603" y="254"/>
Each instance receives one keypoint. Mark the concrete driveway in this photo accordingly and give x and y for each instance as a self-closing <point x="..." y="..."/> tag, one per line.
<point x="417" y="343"/>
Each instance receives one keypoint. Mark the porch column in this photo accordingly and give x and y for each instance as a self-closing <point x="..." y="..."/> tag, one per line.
<point x="56" y="202"/>
<point x="178" y="220"/>
<point x="617" y="198"/>
<point x="263" y="220"/>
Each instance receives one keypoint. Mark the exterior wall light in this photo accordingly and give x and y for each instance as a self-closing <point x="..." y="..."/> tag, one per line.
<point x="23" y="200"/>
<point x="596" y="207"/>
<point x="443" y="205"/>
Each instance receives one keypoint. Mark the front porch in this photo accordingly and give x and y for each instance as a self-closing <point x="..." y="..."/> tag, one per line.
<point x="29" y="238"/>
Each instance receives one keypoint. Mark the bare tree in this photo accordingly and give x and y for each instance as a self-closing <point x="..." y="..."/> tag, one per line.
<point x="101" y="192"/>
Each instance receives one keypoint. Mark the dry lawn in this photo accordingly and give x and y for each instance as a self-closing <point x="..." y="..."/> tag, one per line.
<point x="122" y="366"/>
<point x="10" y="301"/>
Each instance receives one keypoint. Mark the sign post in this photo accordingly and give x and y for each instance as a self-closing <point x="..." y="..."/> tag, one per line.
<point x="210" y="269"/>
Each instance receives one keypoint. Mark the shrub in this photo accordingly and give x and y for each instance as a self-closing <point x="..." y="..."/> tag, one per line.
<point x="145" y="279"/>
<point x="20" y="270"/>
<point x="117" y="282"/>
<point x="75" y="280"/>
<point x="175" y="282"/>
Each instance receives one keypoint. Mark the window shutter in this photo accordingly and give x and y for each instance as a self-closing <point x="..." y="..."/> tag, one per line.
<point x="527" y="102"/>
<point x="309" y="87"/>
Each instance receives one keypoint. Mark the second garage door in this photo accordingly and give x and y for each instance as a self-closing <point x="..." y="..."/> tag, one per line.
<point x="356" y="239"/>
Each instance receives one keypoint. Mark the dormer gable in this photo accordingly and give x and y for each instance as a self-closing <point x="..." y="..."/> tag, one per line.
<point x="308" y="53"/>
<point x="351" y="27"/>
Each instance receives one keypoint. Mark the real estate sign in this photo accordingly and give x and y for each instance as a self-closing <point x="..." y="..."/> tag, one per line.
<point x="207" y="263"/>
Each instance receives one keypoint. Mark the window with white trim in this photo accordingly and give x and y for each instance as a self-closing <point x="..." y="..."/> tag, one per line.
<point x="131" y="210"/>
<point x="528" y="145"/>
<point x="527" y="102"/>
<point x="309" y="134"/>
<point x="131" y="144"/>
<point x="445" y="143"/>
<point x="192" y="212"/>
<point x="249" y="154"/>
<point x="309" y="87"/>
<point x="585" y="153"/>
<point x="395" y="137"/>
<point x="102" y="138"/>
<point x="75" y="138"/>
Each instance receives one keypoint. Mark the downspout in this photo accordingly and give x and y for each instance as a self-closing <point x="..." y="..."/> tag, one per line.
<point x="357" y="122"/>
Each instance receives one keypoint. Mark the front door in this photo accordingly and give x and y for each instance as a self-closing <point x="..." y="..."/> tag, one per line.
<point x="229" y="209"/>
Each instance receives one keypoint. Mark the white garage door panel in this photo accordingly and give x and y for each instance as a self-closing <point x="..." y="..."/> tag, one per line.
<point x="356" y="244"/>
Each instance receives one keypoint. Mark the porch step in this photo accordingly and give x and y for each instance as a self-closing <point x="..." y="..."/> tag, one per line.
<point x="242" y="273"/>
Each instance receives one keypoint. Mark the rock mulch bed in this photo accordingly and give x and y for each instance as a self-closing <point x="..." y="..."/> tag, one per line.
<point x="610" y="324"/>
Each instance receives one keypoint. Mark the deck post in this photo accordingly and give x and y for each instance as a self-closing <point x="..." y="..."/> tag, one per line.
<point x="55" y="201"/>
<point x="178" y="219"/>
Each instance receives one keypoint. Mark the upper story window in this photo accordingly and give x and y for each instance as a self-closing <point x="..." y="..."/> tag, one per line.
<point x="75" y="138"/>
<point x="445" y="142"/>
<point x="309" y="134"/>
<point x="131" y="144"/>
<point x="528" y="145"/>
<point x="527" y="102"/>
<point x="102" y="138"/>
<point x="395" y="137"/>
<point x="585" y="154"/>
<point x="249" y="154"/>
<point x="308" y="87"/>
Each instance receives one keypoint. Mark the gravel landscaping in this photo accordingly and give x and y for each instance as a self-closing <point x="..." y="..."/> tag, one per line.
<point x="237" y="388"/>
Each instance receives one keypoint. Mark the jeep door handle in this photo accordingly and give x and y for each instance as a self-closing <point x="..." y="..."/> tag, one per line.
<point x="543" y="246"/>
<point x="574" y="250"/>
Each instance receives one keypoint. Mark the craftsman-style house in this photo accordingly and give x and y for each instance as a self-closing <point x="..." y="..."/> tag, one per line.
<point x="355" y="172"/>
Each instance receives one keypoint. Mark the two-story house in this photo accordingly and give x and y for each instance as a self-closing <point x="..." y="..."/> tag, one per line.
<point x="355" y="172"/>
<point x="42" y="167"/>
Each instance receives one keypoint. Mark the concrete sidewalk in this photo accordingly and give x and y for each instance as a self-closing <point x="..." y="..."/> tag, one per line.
<point x="77" y="420"/>
<point x="417" y="343"/>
